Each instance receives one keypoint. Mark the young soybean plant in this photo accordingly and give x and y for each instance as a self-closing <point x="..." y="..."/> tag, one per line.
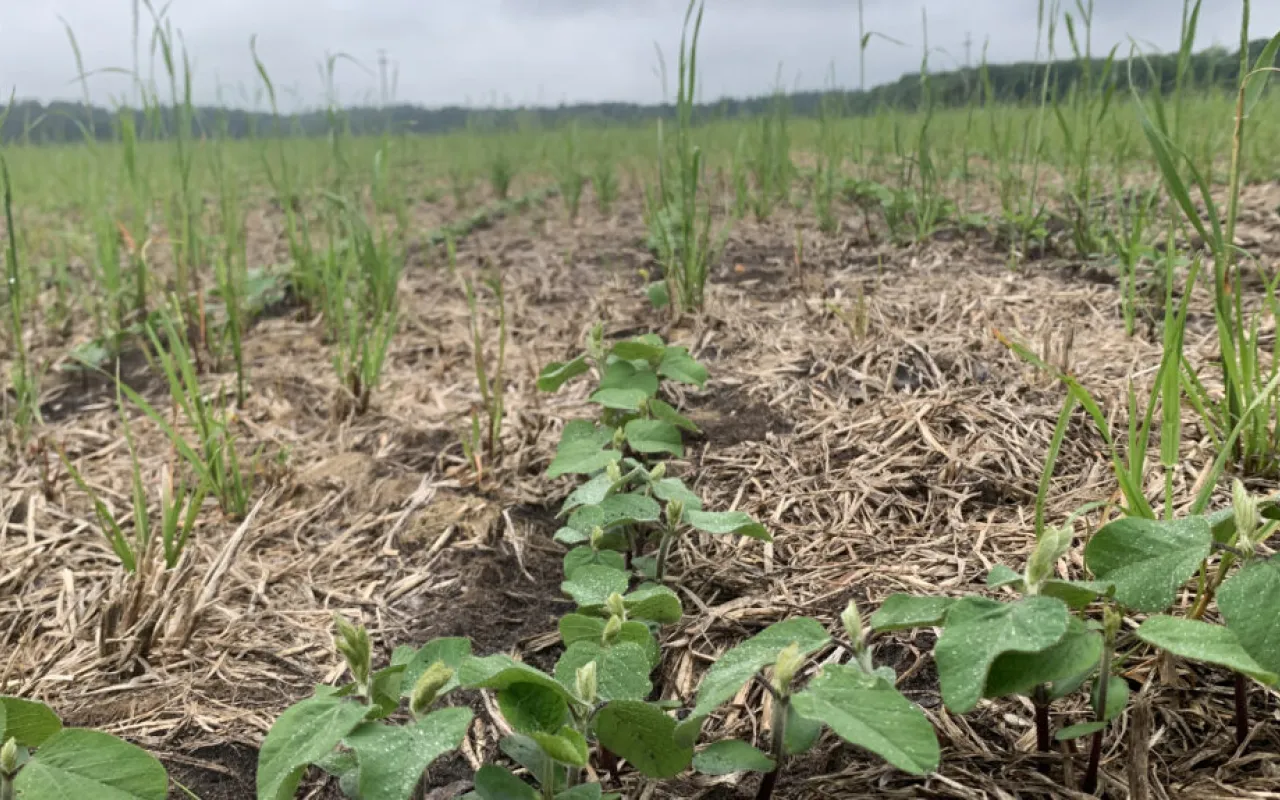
<point x="616" y="512"/>
<point x="1248" y="643"/>
<point x="632" y="415"/>
<point x="41" y="760"/>
<point x="856" y="700"/>
<point x="597" y="694"/>
<point x="343" y="730"/>
<point x="1033" y="645"/>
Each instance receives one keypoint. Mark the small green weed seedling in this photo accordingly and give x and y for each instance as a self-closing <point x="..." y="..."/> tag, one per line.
<point x="213" y="457"/>
<point x="23" y="376"/>
<point x="856" y="700"/>
<point x="569" y="174"/>
<point x="361" y="301"/>
<point x="680" y="222"/>
<point x="486" y="436"/>
<point x="604" y="180"/>
<point x="345" y="730"/>
<point x="502" y="170"/>
<point x="179" y="507"/>
<point x="41" y="760"/>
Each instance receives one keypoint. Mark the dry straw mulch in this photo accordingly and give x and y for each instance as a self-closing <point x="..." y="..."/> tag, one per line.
<point x="893" y="446"/>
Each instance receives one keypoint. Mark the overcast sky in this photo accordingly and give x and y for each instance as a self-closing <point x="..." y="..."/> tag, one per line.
<point x="552" y="51"/>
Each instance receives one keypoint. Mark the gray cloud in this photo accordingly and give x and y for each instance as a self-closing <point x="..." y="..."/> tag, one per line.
<point x="549" y="51"/>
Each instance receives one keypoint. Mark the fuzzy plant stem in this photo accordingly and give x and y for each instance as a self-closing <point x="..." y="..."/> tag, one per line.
<point x="6" y="787"/>
<point x="664" y="550"/>
<point x="1242" y="710"/>
<point x="1090" y="782"/>
<point x="1040" y="698"/>
<point x="781" y="705"/>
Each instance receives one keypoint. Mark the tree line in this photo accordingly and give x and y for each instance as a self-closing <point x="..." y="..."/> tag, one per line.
<point x="1216" y="68"/>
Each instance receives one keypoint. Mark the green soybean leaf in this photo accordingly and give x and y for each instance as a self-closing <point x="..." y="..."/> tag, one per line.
<point x="591" y="585"/>
<point x="1148" y="560"/>
<point x="1117" y="699"/>
<point x="978" y="631"/>
<point x="622" y="668"/>
<point x="622" y="399"/>
<point x="653" y="602"/>
<point x="801" y="733"/>
<point x="566" y="746"/>
<point x="738" y="664"/>
<point x="392" y="758"/>
<point x="689" y="729"/>
<point x="571" y="536"/>
<point x="723" y="522"/>
<point x="343" y="765"/>
<point x="625" y="375"/>
<point x="1000" y="575"/>
<point x="579" y="628"/>
<point x="642" y="734"/>
<point x="76" y="762"/>
<point x="556" y="374"/>
<point x="1248" y="602"/>
<point x="28" y="722"/>
<point x="1201" y="641"/>
<point x="637" y="350"/>
<point x="614" y="510"/>
<point x="669" y="489"/>
<point x="1076" y="594"/>
<point x="586" y="791"/>
<point x="588" y="494"/>
<point x="868" y="712"/>
<point x="731" y="756"/>
<point x="495" y="783"/>
<point x="653" y="436"/>
<point x="665" y="412"/>
<point x="903" y="611"/>
<point x="384" y="691"/>
<point x="499" y="671"/>
<point x="530" y="708"/>
<point x="659" y="296"/>
<point x="302" y="735"/>
<point x="529" y="754"/>
<point x="1079" y="651"/>
<point x="580" y="557"/>
<point x="583" y="449"/>
<point x="678" y="365"/>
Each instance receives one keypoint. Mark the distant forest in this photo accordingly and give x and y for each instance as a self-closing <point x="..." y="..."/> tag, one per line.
<point x="62" y="122"/>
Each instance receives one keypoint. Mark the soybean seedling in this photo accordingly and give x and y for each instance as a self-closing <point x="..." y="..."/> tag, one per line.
<point x="40" y="759"/>
<point x="345" y="730"/>
<point x="618" y="511"/>
<point x="1032" y="645"/>
<point x="855" y="699"/>
<point x="632" y="415"/>
<point x="597" y="695"/>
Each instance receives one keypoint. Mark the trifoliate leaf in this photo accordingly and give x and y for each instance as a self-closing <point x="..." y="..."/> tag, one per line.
<point x="731" y="756"/>
<point x="1148" y="560"/>
<point x="644" y="735"/>
<point x="868" y="712"/>
<point x="978" y="631"/>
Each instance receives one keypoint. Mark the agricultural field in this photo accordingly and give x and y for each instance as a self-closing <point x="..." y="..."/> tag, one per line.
<point x="930" y="451"/>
